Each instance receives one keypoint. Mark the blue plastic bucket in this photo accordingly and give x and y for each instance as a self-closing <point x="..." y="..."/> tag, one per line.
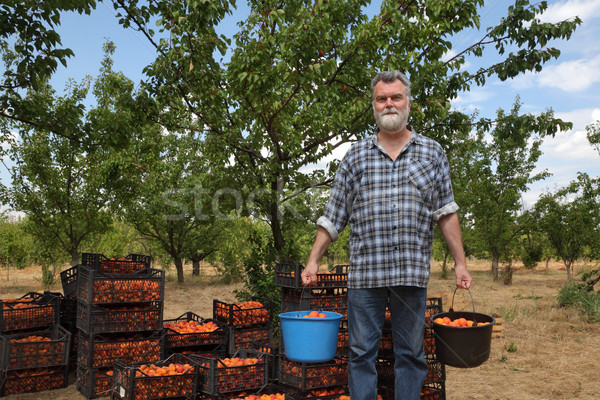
<point x="310" y="339"/>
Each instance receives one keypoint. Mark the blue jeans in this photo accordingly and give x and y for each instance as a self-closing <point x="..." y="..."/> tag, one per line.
<point x="366" y="314"/>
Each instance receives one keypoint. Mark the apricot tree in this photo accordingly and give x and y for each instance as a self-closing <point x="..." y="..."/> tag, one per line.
<point x="293" y="85"/>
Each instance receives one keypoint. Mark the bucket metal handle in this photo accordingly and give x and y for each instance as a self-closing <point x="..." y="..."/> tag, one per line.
<point x="451" y="310"/>
<point x="300" y="302"/>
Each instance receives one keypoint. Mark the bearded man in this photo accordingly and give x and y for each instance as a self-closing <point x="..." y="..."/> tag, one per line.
<point x="390" y="188"/>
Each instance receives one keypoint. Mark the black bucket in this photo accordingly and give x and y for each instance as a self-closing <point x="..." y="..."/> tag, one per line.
<point x="465" y="346"/>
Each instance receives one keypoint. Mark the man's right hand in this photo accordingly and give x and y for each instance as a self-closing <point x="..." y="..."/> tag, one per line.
<point x="322" y="240"/>
<point x="309" y="274"/>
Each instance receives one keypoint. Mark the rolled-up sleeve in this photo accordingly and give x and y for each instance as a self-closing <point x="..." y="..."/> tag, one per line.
<point x="444" y="197"/>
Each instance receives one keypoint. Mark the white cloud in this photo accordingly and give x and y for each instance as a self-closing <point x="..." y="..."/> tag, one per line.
<point x="572" y="148"/>
<point x="12" y="136"/>
<point x="475" y="97"/>
<point x="337" y="154"/>
<point x="569" y="76"/>
<point x="580" y="118"/>
<point x="560" y="11"/>
<point x="450" y="54"/>
<point x="566" y="154"/>
<point x="563" y="156"/>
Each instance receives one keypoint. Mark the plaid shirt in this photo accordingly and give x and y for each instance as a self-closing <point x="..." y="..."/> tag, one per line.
<point x="390" y="206"/>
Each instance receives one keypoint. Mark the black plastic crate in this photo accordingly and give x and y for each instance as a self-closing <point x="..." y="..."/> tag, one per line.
<point x="436" y="371"/>
<point x="204" y="331"/>
<point x="333" y="299"/>
<point x="33" y="380"/>
<point x="434" y="391"/>
<point x="136" y="382"/>
<point x="40" y="349"/>
<point x="94" y="382"/>
<point x="343" y="339"/>
<point x="433" y="306"/>
<point x="272" y="355"/>
<point x="126" y="265"/>
<point x="255" y="311"/>
<point x="311" y="376"/>
<point x="73" y="348"/>
<point x="96" y="287"/>
<point x="68" y="313"/>
<point x="289" y="276"/>
<point x="68" y="279"/>
<point x="218" y="377"/>
<point x="29" y="312"/>
<point x="101" y="350"/>
<point x="332" y="393"/>
<point x="385" y="371"/>
<point x="67" y="309"/>
<point x="429" y="343"/>
<point x="207" y="351"/>
<point x="270" y="389"/>
<point x="386" y="344"/>
<point x="119" y="318"/>
<point x="244" y="337"/>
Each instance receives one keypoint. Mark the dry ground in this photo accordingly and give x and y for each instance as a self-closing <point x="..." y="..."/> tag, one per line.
<point x="546" y="352"/>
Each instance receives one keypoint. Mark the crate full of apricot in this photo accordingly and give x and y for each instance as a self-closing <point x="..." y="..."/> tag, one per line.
<point x="174" y="377"/>
<point x="254" y="311"/>
<point x="31" y="311"/>
<point x="124" y="265"/>
<point x="289" y="276"/>
<point x="190" y="329"/>
<point x="120" y="317"/>
<point x="39" y="349"/>
<point x="245" y="370"/>
<point x="98" y="287"/>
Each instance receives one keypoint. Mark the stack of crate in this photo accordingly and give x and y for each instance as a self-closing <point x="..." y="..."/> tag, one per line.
<point x="248" y="322"/>
<point x="323" y="380"/>
<point x="434" y="387"/>
<point x="329" y="293"/>
<point x="130" y="263"/>
<point x="34" y="351"/>
<point x="119" y="316"/>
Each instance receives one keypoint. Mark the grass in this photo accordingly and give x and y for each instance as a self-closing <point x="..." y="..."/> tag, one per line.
<point x="574" y="295"/>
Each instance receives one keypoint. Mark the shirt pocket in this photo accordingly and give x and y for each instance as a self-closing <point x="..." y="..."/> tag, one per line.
<point x="421" y="175"/>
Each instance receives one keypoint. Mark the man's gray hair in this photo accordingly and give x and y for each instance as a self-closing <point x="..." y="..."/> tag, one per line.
<point x="389" y="77"/>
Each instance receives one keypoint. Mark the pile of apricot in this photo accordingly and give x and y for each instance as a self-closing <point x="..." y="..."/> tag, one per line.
<point x="459" y="322"/>
<point x="315" y="314"/>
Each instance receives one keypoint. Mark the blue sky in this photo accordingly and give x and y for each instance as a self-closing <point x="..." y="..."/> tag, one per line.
<point x="569" y="85"/>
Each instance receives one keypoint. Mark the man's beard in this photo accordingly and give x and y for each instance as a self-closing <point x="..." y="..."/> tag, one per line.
<point x="391" y="119"/>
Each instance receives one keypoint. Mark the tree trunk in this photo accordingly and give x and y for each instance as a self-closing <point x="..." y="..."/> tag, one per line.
<point x="495" y="261"/>
<point x="278" y="241"/>
<point x="548" y="263"/>
<point x="195" y="267"/>
<point x="445" y="265"/>
<point x="74" y="257"/>
<point x="508" y="273"/>
<point x="330" y="259"/>
<point x="568" y="265"/>
<point x="179" y="268"/>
